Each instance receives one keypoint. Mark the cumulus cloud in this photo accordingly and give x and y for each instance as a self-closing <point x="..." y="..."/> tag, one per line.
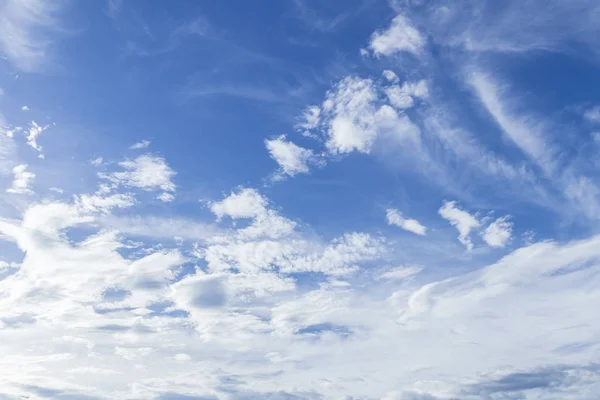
<point x="400" y="36"/>
<point x="498" y="233"/>
<point x="291" y="158"/>
<point x="22" y="180"/>
<point x="461" y="220"/>
<point x="147" y="172"/>
<point x="395" y="217"/>
<point x="390" y="76"/>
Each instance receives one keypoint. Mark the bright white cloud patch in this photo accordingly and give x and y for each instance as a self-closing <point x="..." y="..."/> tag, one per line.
<point x="292" y="158"/>
<point x="498" y="233"/>
<point x="390" y="76"/>
<point x="247" y="203"/>
<point x="22" y="181"/>
<point x="401" y="35"/>
<point x="395" y="217"/>
<point x="35" y="131"/>
<point x="147" y="172"/>
<point x="461" y="220"/>
<point x="24" y="108"/>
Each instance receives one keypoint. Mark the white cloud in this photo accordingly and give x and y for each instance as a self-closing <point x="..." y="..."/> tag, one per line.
<point x="24" y="28"/>
<point x="24" y="108"/>
<point x="147" y="172"/>
<point x="401" y="273"/>
<point x="35" y="131"/>
<point x="592" y="114"/>
<point x="461" y="220"/>
<point x="498" y="233"/>
<point x="140" y="145"/>
<point x="166" y="197"/>
<point x="390" y="76"/>
<point x="401" y="35"/>
<point x="246" y="203"/>
<point x="292" y="158"/>
<point x="309" y="120"/>
<point x="22" y="180"/>
<point x="352" y="124"/>
<point x="395" y="217"/>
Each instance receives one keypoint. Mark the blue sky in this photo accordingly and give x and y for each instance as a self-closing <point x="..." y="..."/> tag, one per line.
<point x="299" y="199"/>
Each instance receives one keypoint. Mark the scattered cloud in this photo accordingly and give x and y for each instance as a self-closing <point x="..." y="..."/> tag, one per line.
<point x="147" y="172"/>
<point x="140" y="145"/>
<point x="291" y="158"/>
<point x="498" y="233"/>
<point x="592" y="114"/>
<point x="400" y="36"/>
<point x="24" y="108"/>
<point x="461" y="220"/>
<point x="35" y="131"/>
<point x="395" y="217"/>
<point x="22" y="180"/>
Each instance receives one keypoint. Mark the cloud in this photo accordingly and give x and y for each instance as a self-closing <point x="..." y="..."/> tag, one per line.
<point x="498" y="233"/>
<point x="400" y="36"/>
<point x="140" y="145"/>
<point x="401" y="273"/>
<point x="246" y="203"/>
<point x="97" y="161"/>
<point x="395" y="217"/>
<point x="24" y="108"/>
<point x="390" y="76"/>
<point x="291" y="158"/>
<point x="147" y="172"/>
<point x="461" y="220"/>
<point x="22" y="180"/>
<point x="24" y="31"/>
<point x="35" y="131"/>
<point x="592" y="114"/>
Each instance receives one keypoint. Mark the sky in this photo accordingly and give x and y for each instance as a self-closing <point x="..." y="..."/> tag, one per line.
<point x="300" y="199"/>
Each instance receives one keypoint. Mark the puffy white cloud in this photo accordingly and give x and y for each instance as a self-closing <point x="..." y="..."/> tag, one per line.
<point x="395" y="217"/>
<point x="498" y="233"/>
<point x="352" y="108"/>
<point x="147" y="172"/>
<point x="96" y="162"/>
<point x="140" y="145"/>
<point x="402" y="97"/>
<point x="401" y="35"/>
<point x="24" y="108"/>
<point x="166" y="197"/>
<point x="309" y="120"/>
<point x="22" y="180"/>
<point x="292" y="158"/>
<point x="246" y="203"/>
<point x="461" y="220"/>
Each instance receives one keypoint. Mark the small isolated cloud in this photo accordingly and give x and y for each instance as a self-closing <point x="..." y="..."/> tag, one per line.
<point x="292" y="158"/>
<point x="461" y="220"/>
<point x="35" y="131"/>
<point x="592" y="114"/>
<point x="140" y="145"/>
<point x="147" y="172"/>
<point x="247" y="203"/>
<point x="390" y="76"/>
<point x="401" y="35"/>
<point x="166" y="197"/>
<point x="498" y="233"/>
<point x="395" y="217"/>
<point x="24" y="108"/>
<point x="22" y="180"/>
<point x="97" y="161"/>
<point x="309" y="120"/>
